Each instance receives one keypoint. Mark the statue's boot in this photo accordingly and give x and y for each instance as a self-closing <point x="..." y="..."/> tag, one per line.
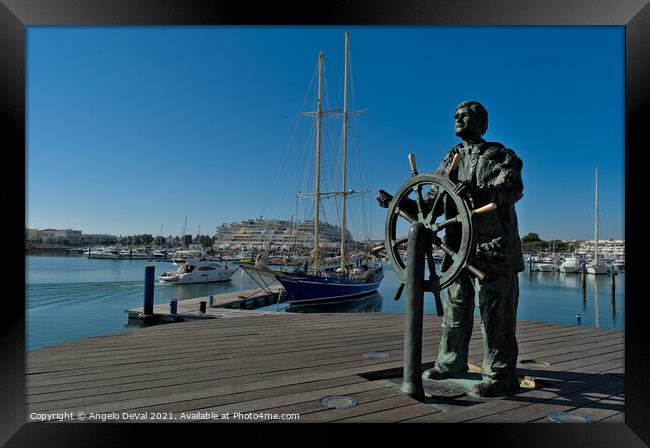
<point x="495" y="389"/>
<point x="452" y="354"/>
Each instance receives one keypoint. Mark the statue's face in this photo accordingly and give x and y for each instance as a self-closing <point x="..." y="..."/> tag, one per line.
<point x="467" y="123"/>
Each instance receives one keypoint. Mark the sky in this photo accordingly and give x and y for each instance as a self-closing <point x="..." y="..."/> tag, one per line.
<point x="134" y="128"/>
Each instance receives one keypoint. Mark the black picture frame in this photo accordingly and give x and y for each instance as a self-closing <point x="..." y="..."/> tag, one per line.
<point x="634" y="15"/>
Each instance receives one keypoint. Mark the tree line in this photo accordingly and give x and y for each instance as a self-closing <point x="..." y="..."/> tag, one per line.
<point x="169" y="241"/>
<point x="532" y="242"/>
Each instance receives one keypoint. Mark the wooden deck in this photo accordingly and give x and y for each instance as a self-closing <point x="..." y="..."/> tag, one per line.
<point x="270" y="364"/>
<point x="188" y="309"/>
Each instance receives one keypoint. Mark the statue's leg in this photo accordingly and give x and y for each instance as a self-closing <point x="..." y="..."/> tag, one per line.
<point x="498" y="299"/>
<point x="457" y="325"/>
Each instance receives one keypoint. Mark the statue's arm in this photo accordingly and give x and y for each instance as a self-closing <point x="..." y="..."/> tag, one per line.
<point x="409" y="205"/>
<point x="434" y="192"/>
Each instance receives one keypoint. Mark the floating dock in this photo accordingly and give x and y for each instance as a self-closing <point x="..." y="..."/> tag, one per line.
<point x="263" y="367"/>
<point x="188" y="309"/>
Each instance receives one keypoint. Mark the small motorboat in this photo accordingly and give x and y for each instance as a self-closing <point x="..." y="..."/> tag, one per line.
<point x="571" y="265"/>
<point x="198" y="271"/>
<point x="546" y="267"/>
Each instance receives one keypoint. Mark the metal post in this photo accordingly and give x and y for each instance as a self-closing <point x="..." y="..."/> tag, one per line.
<point x="149" y="273"/>
<point x="412" y="379"/>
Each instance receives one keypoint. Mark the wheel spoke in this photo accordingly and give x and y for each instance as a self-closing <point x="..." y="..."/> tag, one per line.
<point x="404" y="215"/>
<point x="430" y="262"/>
<point x="401" y="240"/>
<point x="448" y="250"/>
<point x="420" y="201"/>
<point x="447" y="223"/>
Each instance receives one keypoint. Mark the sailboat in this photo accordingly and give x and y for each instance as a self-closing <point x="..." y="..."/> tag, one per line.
<point x="597" y="266"/>
<point x="323" y="282"/>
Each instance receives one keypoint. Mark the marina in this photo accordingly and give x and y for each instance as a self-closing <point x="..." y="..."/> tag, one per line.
<point x="91" y="296"/>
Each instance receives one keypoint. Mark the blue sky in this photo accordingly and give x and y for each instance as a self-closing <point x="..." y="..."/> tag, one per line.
<point x="131" y="128"/>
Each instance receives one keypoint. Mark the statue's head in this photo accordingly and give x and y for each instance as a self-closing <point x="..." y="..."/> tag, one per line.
<point x="470" y="119"/>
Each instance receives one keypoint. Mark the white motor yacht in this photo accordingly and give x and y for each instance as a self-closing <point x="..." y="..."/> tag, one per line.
<point x="159" y="254"/>
<point x="570" y="265"/>
<point x="198" y="271"/>
<point x="545" y="267"/>
<point x="105" y="253"/>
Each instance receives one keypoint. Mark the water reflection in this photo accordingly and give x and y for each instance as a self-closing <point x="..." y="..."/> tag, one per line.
<point x="552" y="293"/>
<point x="368" y="304"/>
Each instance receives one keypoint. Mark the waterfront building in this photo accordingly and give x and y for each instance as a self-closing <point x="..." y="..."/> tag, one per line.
<point x="46" y="235"/>
<point x="60" y="237"/>
<point x="285" y="235"/>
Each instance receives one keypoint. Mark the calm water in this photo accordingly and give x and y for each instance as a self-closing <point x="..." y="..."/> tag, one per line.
<point x="72" y="298"/>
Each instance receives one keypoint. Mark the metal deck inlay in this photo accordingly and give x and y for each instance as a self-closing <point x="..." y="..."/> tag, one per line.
<point x="339" y="402"/>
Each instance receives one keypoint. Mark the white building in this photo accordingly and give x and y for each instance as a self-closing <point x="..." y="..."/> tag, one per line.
<point x="608" y="248"/>
<point x="54" y="236"/>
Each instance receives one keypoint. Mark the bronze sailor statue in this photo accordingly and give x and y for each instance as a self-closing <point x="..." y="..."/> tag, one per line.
<point x="481" y="246"/>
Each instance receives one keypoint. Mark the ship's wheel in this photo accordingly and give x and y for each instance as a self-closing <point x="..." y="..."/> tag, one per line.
<point x="399" y="216"/>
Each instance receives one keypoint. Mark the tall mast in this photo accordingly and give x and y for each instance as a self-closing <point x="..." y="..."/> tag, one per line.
<point x="596" y="223"/>
<point x="345" y="138"/>
<point x="319" y="114"/>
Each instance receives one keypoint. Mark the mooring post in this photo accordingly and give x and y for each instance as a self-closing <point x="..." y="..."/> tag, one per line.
<point x="412" y="377"/>
<point x="613" y="282"/>
<point x="149" y="271"/>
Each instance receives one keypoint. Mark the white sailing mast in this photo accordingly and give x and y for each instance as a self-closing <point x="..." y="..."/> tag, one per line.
<point x="319" y="116"/>
<point x="597" y="265"/>
<point x="596" y="222"/>
<point x="345" y="139"/>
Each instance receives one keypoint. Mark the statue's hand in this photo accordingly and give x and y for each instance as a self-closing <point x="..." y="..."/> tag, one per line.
<point x="384" y="198"/>
<point x="470" y="191"/>
<point x="465" y="188"/>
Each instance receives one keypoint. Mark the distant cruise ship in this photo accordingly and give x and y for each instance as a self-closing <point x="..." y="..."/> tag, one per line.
<point x="280" y="234"/>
